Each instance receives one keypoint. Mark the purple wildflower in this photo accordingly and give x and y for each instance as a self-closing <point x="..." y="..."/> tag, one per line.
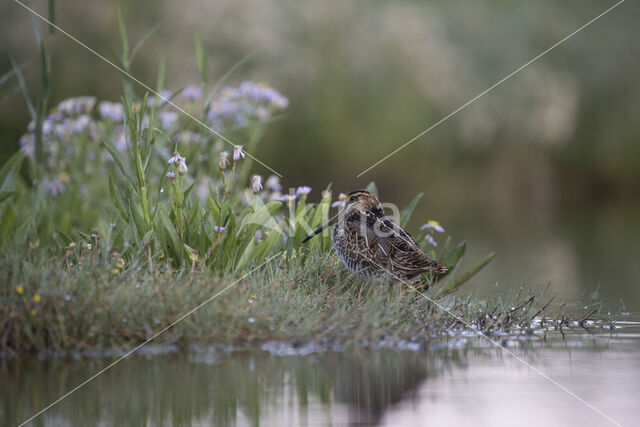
<point x="191" y="93"/>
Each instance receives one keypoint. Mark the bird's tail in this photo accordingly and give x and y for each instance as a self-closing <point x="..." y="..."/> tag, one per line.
<point x="438" y="268"/>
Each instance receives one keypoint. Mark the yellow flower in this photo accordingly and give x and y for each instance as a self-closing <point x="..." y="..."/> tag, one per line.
<point x="19" y="289"/>
<point x="116" y="271"/>
<point x="63" y="176"/>
<point x="433" y="225"/>
<point x="120" y="263"/>
<point x="72" y="245"/>
<point x="36" y="298"/>
<point x="33" y="312"/>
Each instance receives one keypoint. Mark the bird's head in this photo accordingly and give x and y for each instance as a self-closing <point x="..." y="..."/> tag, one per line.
<point x="361" y="202"/>
<point x="358" y="202"/>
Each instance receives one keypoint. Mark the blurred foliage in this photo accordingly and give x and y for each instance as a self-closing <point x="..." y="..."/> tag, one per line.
<point x="365" y="78"/>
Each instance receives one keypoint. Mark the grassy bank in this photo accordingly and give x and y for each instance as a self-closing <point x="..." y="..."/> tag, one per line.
<point x="89" y="307"/>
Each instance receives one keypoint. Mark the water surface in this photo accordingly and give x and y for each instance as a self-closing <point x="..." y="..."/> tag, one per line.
<point x="467" y="381"/>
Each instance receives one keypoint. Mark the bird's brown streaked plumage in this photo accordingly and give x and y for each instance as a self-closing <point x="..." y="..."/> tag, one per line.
<point x="374" y="246"/>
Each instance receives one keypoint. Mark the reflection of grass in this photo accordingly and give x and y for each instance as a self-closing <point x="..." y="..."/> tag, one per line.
<point x="221" y="392"/>
<point x="291" y="300"/>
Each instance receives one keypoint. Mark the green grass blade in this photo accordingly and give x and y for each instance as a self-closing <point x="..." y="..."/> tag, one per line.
<point x="52" y="16"/>
<point x="201" y="56"/>
<point x="123" y="39"/>
<point x="23" y="89"/>
<point x="226" y="75"/>
<point x="142" y="42"/>
<point x="117" y="200"/>
<point x="10" y="169"/>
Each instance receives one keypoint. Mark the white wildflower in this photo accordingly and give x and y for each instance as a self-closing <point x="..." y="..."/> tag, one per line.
<point x="340" y="202"/>
<point x="175" y="158"/>
<point x="303" y="191"/>
<point x="433" y="225"/>
<point x="237" y="152"/>
<point x="224" y="161"/>
<point x="182" y="166"/>
<point x="256" y="183"/>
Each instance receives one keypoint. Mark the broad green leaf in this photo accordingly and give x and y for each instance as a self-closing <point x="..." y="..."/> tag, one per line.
<point x="455" y="284"/>
<point x="214" y="209"/>
<point x="407" y="211"/>
<point x="174" y="238"/>
<point x="188" y="191"/>
<point x="6" y="225"/>
<point x="10" y="169"/>
<point x="146" y="239"/>
<point x="321" y="209"/>
<point x="262" y="217"/>
<point x="6" y="194"/>
<point x="117" y="200"/>
<point x="267" y="244"/>
<point x="373" y="188"/>
<point x="64" y="239"/>
<point x="117" y="160"/>
<point x="246" y="256"/>
<point x="452" y="258"/>
<point x="136" y="215"/>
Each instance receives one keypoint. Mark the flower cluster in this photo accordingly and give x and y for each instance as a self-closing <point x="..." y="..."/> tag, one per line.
<point x="248" y="102"/>
<point x="70" y="119"/>
<point x="191" y="93"/>
<point x="113" y="111"/>
<point x="301" y="192"/>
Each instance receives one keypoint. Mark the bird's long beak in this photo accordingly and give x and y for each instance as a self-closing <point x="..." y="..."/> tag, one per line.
<point x="322" y="227"/>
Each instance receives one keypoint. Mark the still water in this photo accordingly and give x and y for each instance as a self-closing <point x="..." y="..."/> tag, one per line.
<point x="464" y="382"/>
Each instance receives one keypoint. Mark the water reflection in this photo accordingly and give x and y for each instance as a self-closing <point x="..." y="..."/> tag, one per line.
<point x="358" y="386"/>
<point x="230" y="389"/>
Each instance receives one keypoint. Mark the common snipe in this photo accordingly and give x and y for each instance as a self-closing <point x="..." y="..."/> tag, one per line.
<point x="373" y="246"/>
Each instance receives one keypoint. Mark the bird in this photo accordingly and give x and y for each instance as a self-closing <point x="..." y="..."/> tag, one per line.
<point x="373" y="245"/>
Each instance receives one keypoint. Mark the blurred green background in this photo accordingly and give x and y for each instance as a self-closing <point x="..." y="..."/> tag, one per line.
<point x="545" y="169"/>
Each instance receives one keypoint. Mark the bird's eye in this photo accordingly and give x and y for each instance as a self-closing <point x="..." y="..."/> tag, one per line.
<point x="352" y="198"/>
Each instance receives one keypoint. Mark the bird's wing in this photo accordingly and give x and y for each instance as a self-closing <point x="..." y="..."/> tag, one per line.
<point x="393" y="246"/>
